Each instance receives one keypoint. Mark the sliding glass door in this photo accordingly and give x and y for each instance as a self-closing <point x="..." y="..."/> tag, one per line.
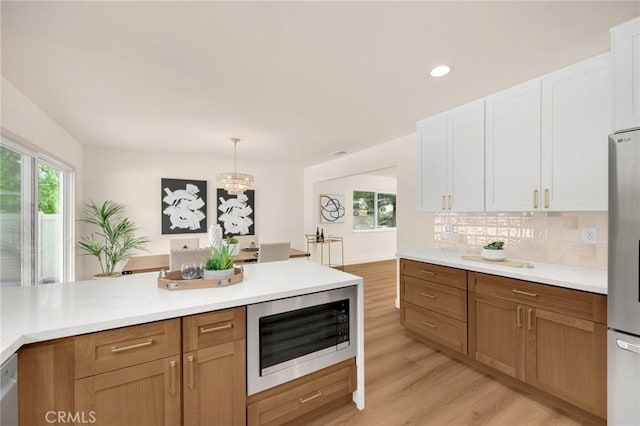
<point x="35" y="218"/>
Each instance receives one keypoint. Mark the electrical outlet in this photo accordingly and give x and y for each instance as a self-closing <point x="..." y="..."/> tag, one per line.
<point x="448" y="228"/>
<point x="590" y="235"/>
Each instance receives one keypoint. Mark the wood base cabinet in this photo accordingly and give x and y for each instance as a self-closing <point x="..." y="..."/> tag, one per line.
<point x="144" y="394"/>
<point x="300" y="399"/>
<point x="551" y="338"/>
<point x="433" y="304"/>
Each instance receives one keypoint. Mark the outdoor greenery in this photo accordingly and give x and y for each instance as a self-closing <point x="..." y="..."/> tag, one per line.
<point x="11" y="182"/>
<point x="114" y="240"/>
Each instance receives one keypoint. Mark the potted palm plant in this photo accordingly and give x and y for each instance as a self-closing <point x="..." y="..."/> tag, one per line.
<point x="220" y="264"/>
<point x="115" y="239"/>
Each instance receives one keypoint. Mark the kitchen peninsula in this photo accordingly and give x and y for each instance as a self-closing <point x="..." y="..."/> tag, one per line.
<point x="56" y="312"/>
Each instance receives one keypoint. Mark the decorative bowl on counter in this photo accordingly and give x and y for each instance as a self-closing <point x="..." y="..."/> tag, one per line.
<point x="494" y="255"/>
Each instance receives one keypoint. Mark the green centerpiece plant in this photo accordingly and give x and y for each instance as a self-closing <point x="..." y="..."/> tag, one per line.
<point x="115" y="239"/>
<point x="220" y="264"/>
<point x="494" y="251"/>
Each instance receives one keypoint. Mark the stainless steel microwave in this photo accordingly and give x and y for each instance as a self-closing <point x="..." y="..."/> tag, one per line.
<point x="292" y="337"/>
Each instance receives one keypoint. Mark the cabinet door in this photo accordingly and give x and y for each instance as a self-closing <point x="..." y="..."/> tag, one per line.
<point x="466" y="158"/>
<point x="432" y="163"/>
<point x="625" y="45"/>
<point x="567" y="357"/>
<point x="145" y="394"/>
<point x="575" y="125"/>
<point x="513" y="148"/>
<point x="215" y="385"/>
<point x="496" y="334"/>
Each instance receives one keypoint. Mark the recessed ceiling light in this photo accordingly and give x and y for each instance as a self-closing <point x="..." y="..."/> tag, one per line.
<point x="440" y="71"/>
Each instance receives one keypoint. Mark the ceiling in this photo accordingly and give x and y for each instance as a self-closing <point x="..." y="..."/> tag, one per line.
<point x="296" y="81"/>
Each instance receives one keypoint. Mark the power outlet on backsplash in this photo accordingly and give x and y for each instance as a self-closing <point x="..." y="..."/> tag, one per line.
<point x="448" y="228"/>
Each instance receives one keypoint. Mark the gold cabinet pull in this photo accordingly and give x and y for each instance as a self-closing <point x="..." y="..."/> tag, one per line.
<point x="172" y="378"/>
<point x="449" y="201"/>
<point x="218" y="328"/>
<point x="443" y="206"/>
<point x="430" y="296"/>
<point x="430" y="324"/>
<point x="524" y="293"/>
<point x="428" y="272"/>
<point x="115" y="349"/>
<point x="518" y="317"/>
<point x="530" y="320"/>
<point x="535" y="198"/>
<point x="190" y="384"/>
<point x="546" y="198"/>
<point x="318" y="394"/>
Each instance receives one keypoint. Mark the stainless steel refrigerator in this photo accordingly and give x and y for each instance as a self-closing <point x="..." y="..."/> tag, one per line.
<point x="623" y="398"/>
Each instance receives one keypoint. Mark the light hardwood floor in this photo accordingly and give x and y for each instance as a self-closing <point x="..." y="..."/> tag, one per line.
<point x="408" y="383"/>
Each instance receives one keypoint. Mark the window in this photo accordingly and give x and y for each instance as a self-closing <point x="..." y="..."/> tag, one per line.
<point x="35" y="218"/>
<point x="373" y="210"/>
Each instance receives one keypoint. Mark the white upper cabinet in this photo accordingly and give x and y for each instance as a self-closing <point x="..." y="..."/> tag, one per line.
<point x="625" y="47"/>
<point x="451" y="160"/>
<point x="575" y="125"/>
<point x="432" y="163"/>
<point x="513" y="148"/>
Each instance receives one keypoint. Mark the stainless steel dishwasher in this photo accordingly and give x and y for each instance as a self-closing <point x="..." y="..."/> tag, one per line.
<point x="9" y="392"/>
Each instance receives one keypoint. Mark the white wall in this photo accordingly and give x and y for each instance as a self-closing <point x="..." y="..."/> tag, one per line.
<point x="24" y="122"/>
<point x="359" y="246"/>
<point x="133" y="179"/>
<point x="414" y="229"/>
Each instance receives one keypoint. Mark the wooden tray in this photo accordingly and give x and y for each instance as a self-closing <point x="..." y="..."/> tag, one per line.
<point x="505" y="262"/>
<point x="173" y="281"/>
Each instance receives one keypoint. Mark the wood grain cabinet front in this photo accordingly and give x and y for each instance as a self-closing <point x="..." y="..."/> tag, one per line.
<point x="433" y="304"/>
<point x="292" y="401"/>
<point x="550" y="338"/>
<point x="214" y="369"/>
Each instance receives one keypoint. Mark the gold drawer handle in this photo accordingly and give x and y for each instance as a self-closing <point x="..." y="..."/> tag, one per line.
<point x="518" y="316"/>
<point x="443" y="206"/>
<point x="525" y="293"/>
<point x="546" y="198"/>
<point x="430" y="296"/>
<point x="190" y="384"/>
<point x="449" y="202"/>
<point x="115" y="349"/>
<point x="428" y="272"/>
<point x="311" y="398"/>
<point x="530" y="320"/>
<point x="430" y="324"/>
<point x="218" y="328"/>
<point x="535" y="198"/>
<point x="172" y="377"/>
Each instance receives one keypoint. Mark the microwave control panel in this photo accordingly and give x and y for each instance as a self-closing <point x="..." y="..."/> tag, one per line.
<point x="342" y="324"/>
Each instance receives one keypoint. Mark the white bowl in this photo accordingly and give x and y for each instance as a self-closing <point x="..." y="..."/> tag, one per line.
<point x="495" y="255"/>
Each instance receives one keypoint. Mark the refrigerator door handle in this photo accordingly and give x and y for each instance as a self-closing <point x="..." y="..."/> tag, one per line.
<point x="628" y="346"/>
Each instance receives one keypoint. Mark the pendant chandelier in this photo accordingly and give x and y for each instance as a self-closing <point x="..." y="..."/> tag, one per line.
<point x="233" y="182"/>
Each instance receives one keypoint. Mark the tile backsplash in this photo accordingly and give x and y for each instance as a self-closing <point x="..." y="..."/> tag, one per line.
<point x="551" y="237"/>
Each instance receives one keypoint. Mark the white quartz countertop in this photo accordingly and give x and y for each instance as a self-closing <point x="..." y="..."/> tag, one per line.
<point x="44" y="312"/>
<point x="585" y="279"/>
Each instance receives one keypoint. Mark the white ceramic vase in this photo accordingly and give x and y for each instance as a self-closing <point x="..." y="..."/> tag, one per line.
<point x="215" y="236"/>
<point x="234" y="249"/>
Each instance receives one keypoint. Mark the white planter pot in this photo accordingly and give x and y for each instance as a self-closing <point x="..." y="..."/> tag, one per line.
<point x="495" y="255"/>
<point x="217" y="275"/>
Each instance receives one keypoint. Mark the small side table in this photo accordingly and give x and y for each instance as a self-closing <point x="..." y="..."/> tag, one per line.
<point x="311" y="240"/>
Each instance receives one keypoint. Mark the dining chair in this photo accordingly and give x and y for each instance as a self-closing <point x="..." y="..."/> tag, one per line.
<point x="271" y="252"/>
<point x="178" y="257"/>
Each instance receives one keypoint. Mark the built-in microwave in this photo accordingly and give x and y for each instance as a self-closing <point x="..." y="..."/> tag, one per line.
<point x="289" y="338"/>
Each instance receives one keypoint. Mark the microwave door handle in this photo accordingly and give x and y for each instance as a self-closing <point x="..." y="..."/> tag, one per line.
<point x="631" y="347"/>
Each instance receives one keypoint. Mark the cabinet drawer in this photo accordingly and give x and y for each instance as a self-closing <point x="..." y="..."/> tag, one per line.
<point x="124" y="347"/>
<point x="442" y="299"/>
<point x="579" y="304"/>
<point x="439" y="328"/>
<point x="292" y="400"/>
<point x="435" y="273"/>
<point x="213" y="328"/>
